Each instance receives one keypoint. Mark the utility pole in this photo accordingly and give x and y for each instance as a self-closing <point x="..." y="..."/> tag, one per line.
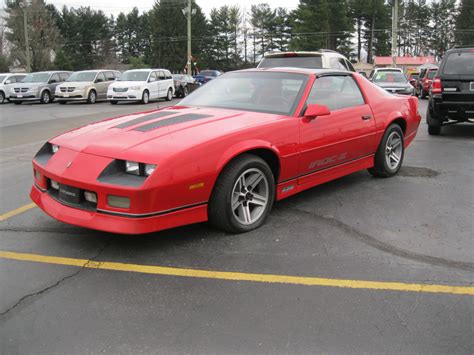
<point x="189" y="64"/>
<point x="394" y="31"/>
<point x="24" y="4"/>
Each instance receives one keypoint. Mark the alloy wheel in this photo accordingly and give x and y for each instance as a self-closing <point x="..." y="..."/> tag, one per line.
<point x="394" y="150"/>
<point x="250" y="196"/>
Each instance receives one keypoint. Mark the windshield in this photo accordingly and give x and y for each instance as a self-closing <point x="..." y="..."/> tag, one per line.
<point x="298" y="62"/>
<point x="461" y="63"/>
<point x="82" y="76"/>
<point x="208" y="73"/>
<point x="432" y="74"/>
<point x="2" y="77"/>
<point x="37" y="78"/>
<point x="134" y="75"/>
<point x="390" y="77"/>
<point x="268" y="92"/>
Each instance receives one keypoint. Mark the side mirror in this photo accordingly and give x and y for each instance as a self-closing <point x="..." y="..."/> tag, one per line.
<point x="314" y="110"/>
<point x="363" y="73"/>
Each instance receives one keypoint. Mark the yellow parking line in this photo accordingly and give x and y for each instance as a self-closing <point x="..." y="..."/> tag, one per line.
<point x="19" y="210"/>
<point x="239" y="276"/>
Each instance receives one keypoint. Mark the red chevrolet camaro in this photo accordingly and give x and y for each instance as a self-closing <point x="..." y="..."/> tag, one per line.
<point x="225" y="153"/>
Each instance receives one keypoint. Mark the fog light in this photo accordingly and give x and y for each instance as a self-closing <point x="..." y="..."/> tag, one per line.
<point x="90" y="196"/>
<point x="118" y="201"/>
<point x="37" y="175"/>
<point x="54" y="185"/>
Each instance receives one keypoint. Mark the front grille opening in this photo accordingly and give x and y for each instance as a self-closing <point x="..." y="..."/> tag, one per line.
<point x="70" y="196"/>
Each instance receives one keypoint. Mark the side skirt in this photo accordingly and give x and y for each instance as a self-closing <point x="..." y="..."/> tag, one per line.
<point x="298" y="184"/>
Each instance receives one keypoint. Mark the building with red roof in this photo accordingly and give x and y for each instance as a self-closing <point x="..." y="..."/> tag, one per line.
<point x="408" y="64"/>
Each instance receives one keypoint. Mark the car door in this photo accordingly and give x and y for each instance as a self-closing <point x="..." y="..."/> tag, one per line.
<point x="346" y="134"/>
<point x="162" y="83"/>
<point x="101" y="86"/>
<point x="154" y="85"/>
<point x="54" y="81"/>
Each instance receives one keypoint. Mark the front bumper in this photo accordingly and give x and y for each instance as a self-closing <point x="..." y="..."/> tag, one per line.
<point x="23" y="97"/>
<point x="70" y="97"/>
<point x="115" y="223"/>
<point x="129" y="95"/>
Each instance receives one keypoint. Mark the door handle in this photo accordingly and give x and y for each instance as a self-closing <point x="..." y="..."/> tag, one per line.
<point x="366" y="117"/>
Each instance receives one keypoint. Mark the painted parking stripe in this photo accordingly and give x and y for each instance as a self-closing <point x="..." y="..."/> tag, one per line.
<point x="240" y="276"/>
<point x="17" y="211"/>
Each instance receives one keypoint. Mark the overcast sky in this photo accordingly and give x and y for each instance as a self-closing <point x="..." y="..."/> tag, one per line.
<point x="116" y="6"/>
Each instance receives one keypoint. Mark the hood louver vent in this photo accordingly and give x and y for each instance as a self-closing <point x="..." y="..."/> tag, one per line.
<point x="171" y="121"/>
<point x="145" y="119"/>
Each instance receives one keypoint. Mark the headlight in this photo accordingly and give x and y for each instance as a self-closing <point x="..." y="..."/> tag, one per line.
<point x="135" y="87"/>
<point x="139" y="169"/>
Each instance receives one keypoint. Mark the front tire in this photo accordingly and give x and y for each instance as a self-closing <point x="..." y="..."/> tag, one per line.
<point x="243" y="195"/>
<point x="145" y="97"/>
<point x="62" y="102"/>
<point x="45" y="97"/>
<point x="113" y="102"/>
<point x="92" y="97"/>
<point x="389" y="156"/>
<point x="2" y="97"/>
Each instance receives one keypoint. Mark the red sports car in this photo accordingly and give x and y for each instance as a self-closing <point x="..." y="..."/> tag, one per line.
<point x="226" y="153"/>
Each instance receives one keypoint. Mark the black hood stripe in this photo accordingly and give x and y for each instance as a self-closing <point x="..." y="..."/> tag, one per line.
<point x="171" y="121"/>
<point x="145" y="118"/>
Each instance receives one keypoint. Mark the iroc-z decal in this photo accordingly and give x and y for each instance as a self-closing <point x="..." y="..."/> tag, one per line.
<point x="333" y="159"/>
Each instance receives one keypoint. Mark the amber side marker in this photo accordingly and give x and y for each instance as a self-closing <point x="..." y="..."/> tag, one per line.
<point x="240" y="276"/>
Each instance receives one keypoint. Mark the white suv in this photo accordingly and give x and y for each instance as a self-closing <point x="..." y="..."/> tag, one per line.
<point x="142" y="85"/>
<point x="322" y="59"/>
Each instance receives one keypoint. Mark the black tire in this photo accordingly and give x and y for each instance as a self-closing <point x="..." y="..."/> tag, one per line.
<point x="45" y="97"/>
<point x="145" y="97"/>
<point x="381" y="167"/>
<point x="434" y="130"/>
<point x="92" y="97"/>
<point x="423" y="94"/>
<point x="62" y="102"/>
<point x="2" y="97"/>
<point x="113" y="102"/>
<point x="185" y="91"/>
<point x="17" y="102"/>
<point x="220" y="210"/>
<point x="169" y="95"/>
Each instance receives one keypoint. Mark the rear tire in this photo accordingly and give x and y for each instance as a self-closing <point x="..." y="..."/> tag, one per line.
<point x="185" y="91"/>
<point x="243" y="195"/>
<point x="434" y="130"/>
<point x="169" y="95"/>
<point x="389" y="156"/>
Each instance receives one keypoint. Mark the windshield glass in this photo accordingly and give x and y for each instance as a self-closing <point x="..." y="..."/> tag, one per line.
<point x="208" y="73"/>
<point x="134" y="75"/>
<point x="37" y="78"/>
<point x="251" y="91"/>
<point x="298" y="62"/>
<point x="82" y="76"/>
<point x="390" y="77"/>
<point x="2" y="77"/>
<point x="461" y="63"/>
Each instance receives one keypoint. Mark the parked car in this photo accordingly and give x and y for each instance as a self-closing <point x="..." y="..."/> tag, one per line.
<point x="184" y="84"/>
<point x="384" y="70"/>
<point x="142" y="85"/>
<point x="39" y="86"/>
<point x="425" y="82"/>
<point x="224" y="158"/>
<point x="452" y="91"/>
<point x="413" y="78"/>
<point x="323" y="58"/>
<point x="394" y="82"/>
<point x="7" y="80"/>
<point x="86" y="85"/>
<point x="206" y="75"/>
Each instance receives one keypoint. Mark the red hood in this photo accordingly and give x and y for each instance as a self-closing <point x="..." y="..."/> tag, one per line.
<point x="174" y="132"/>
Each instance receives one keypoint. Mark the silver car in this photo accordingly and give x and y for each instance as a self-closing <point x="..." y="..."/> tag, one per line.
<point x="86" y="85"/>
<point x="39" y="86"/>
<point x="7" y="80"/>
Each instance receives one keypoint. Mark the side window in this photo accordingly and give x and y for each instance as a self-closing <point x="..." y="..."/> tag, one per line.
<point x="337" y="63"/>
<point x="100" y="78"/>
<point x="63" y="76"/>
<point x="161" y="75"/>
<point x="54" y="78"/>
<point x="12" y="79"/>
<point x="109" y="76"/>
<point x="117" y="74"/>
<point x="19" y="78"/>
<point x="335" y="92"/>
<point x="168" y="75"/>
<point x="350" y="66"/>
<point x="153" y="76"/>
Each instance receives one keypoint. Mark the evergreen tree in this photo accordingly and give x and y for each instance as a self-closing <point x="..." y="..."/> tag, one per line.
<point x="464" y="33"/>
<point x="442" y="27"/>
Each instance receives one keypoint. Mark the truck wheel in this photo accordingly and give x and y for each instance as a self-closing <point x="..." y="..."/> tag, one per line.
<point x="243" y="195"/>
<point x="433" y="129"/>
<point x="389" y="156"/>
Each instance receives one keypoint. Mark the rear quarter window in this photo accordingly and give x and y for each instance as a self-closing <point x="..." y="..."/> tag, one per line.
<point x="459" y="63"/>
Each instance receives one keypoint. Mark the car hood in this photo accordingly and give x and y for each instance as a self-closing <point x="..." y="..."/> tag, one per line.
<point x="30" y="85"/>
<point x="76" y="84"/>
<point x="152" y="135"/>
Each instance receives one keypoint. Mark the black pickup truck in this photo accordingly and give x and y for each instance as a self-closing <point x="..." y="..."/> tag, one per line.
<point x="452" y="90"/>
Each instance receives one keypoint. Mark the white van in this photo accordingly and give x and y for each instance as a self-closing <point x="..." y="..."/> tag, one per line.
<point x="142" y="85"/>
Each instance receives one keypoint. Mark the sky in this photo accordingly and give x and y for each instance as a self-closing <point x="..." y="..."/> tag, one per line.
<point x="114" y="7"/>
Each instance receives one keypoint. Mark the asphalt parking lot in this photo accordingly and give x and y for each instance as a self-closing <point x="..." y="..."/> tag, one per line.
<point x="357" y="265"/>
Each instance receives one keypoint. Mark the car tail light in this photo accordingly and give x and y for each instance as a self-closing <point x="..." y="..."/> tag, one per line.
<point x="436" y="87"/>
